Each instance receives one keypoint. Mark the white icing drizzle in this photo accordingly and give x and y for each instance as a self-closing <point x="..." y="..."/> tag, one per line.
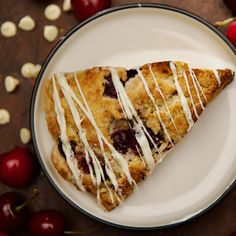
<point x="88" y="163"/>
<point x="118" y="157"/>
<point x="98" y="196"/>
<point x="217" y="76"/>
<point x="141" y="157"/>
<point x="124" y="99"/>
<point x="163" y="97"/>
<point x="196" y="89"/>
<point x="82" y="133"/>
<point x="195" y="77"/>
<point x="146" y="150"/>
<point x="64" y="84"/>
<point x="154" y="103"/>
<point x="71" y="161"/>
<point x="118" y="97"/>
<point x="190" y="94"/>
<point x="138" y="124"/>
<point x="88" y="149"/>
<point x="183" y="99"/>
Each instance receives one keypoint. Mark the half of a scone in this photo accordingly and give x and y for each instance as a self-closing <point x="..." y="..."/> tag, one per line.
<point x="112" y="126"/>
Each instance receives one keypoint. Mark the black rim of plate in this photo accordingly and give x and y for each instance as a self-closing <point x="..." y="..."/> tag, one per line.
<point x="45" y="64"/>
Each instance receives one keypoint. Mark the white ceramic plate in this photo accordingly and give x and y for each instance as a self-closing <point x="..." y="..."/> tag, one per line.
<point x="203" y="166"/>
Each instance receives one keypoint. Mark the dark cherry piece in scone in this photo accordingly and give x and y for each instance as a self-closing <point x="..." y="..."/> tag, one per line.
<point x="112" y="126"/>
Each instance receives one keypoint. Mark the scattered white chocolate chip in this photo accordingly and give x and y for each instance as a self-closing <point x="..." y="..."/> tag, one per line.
<point x="25" y="135"/>
<point x="67" y="5"/>
<point x="8" y="29"/>
<point x="27" y="23"/>
<point x="27" y="70"/>
<point x="37" y="69"/>
<point x="50" y="32"/>
<point x="11" y="83"/>
<point x="52" y="12"/>
<point x="4" y="117"/>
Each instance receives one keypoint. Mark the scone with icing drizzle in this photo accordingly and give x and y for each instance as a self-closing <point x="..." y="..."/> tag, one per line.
<point x="112" y="126"/>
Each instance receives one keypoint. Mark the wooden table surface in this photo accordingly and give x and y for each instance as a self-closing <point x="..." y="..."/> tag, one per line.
<point x="32" y="47"/>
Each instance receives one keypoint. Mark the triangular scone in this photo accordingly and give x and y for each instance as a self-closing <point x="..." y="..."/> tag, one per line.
<point x="112" y="125"/>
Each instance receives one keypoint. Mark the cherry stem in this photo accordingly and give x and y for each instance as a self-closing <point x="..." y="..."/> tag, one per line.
<point x="225" y="22"/>
<point x="20" y="207"/>
<point x="84" y="231"/>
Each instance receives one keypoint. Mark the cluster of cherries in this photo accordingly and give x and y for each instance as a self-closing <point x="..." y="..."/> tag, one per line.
<point x="231" y="22"/>
<point x="18" y="169"/>
<point x="84" y="9"/>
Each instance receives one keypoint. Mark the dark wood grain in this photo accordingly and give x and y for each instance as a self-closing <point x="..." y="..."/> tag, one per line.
<point x="32" y="47"/>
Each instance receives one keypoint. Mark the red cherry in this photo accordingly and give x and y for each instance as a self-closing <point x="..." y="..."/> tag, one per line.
<point x="231" y="4"/>
<point x="13" y="215"/>
<point x="17" y="168"/>
<point x="83" y="9"/>
<point x="231" y="33"/>
<point x="47" y="223"/>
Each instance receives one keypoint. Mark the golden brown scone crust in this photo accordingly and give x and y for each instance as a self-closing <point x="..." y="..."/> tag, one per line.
<point x="110" y="117"/>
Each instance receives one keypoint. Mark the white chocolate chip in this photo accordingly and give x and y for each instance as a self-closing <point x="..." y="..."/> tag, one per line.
<point x="27" y="23"/>
<point x="8" y="29"/>
<point x="52" y="12"/>
<point x="25" y="135"/>
<point x="50" y="32"/>
<point x="4" y="117"/>
<point x="37" y="69"/>
<point x="67" y="5"/>
<point x="27" y="70"/>
<point x="11" y="83"/>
